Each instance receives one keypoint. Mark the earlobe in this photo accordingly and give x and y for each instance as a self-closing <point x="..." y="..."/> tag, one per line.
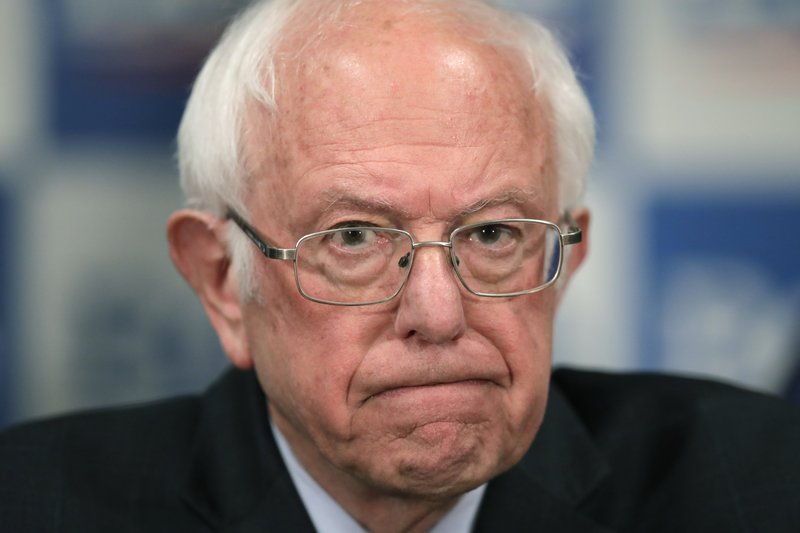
<point x="199" y="251"/>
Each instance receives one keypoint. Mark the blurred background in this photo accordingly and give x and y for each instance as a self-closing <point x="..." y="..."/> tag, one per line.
<point x="695" y="256"/>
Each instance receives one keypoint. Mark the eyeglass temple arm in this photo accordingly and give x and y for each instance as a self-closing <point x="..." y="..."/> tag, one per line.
<point x="574" y="234"/>
<point x="285" y="254"/>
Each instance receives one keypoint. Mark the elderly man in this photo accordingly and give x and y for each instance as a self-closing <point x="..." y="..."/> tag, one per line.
<point x="383" y="218"/>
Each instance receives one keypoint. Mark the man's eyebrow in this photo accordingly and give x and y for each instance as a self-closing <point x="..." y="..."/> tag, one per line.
<point x="514" y="196"/>
<point x="373" y="204"/>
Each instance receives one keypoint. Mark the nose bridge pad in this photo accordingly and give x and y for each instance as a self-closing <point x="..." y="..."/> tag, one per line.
<point x="406" y="260"/>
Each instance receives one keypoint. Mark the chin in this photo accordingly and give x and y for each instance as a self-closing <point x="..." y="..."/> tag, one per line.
<point x="435" y="462"/>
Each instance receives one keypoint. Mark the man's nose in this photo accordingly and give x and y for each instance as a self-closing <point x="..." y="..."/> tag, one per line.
<point x="430" y="304"/>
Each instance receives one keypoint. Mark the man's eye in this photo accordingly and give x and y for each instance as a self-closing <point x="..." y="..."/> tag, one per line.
<point x="490" y="234"/>
<point x="354" y="237"/>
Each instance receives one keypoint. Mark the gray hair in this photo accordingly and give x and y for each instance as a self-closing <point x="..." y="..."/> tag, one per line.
<point x="241" y="71"/>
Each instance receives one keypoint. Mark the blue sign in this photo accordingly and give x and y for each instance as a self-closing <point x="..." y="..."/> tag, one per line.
<point x="123" y="69"/>
<point x="723" y="286"/>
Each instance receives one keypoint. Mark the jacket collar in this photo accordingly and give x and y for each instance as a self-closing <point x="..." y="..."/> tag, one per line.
<point x="235" y="479"/>
<point x="544" y="490"/>
<point x="564" y="458"/>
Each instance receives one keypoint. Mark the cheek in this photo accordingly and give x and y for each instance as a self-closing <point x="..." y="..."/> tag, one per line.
<point x="305" y="355"/>
<point x="527" y="343"/>
<point x="522" y="330"/>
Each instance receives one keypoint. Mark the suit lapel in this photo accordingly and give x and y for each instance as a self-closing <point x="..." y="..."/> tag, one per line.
<point x="543" y="491"/>
<point x="234" y="477"/>
<point x="514" y="503"/>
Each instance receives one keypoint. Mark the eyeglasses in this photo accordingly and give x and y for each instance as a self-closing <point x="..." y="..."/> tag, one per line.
<point x="365" y="265"/>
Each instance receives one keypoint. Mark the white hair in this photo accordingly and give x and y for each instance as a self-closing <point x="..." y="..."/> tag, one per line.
<point x="241" y="71"/>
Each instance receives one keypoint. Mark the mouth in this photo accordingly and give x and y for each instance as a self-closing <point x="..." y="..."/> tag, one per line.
<point x="461" y="386"/>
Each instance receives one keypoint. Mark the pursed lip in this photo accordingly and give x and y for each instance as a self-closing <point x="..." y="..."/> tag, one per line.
<point x="397" y="368"/>
<point x="414" y="387"/>
<point x="411" y="388"/>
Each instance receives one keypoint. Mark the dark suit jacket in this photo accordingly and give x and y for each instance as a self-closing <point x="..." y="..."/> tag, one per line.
<point x="616" y="453"/>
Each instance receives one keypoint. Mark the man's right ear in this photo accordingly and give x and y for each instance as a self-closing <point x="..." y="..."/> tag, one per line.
<point x="199" y="250"/>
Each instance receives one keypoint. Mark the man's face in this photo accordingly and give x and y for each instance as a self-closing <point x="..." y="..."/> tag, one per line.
<point x="437" y="390"/>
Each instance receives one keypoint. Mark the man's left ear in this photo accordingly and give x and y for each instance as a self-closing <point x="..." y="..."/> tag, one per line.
<point x="575" y="253"/>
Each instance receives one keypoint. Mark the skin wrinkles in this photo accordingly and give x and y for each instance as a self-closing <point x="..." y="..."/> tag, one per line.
<point x="455" y="141"/>
<point x="343" y="193"/>
<point x="348" y="204"/>
<point x="519" y="203"/>
<point x="397" y="408"/>
<point x="418" y="144"/>
<point x="423" y="114"/>
<point x="344" y="156"/>
<point x="348" y="165"/>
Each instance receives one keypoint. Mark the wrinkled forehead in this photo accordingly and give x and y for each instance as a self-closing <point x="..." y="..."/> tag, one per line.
<point x="380" y="74"/>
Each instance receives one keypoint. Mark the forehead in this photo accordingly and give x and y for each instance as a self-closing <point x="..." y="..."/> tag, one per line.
<point x="405" y="109"/>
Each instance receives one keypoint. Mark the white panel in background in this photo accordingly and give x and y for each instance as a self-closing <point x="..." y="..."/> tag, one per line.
<point x="106" y="318"/>
<point x="596" y="322"/>
<point x="709" y="83"/>
<point x="20" y="76"/>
